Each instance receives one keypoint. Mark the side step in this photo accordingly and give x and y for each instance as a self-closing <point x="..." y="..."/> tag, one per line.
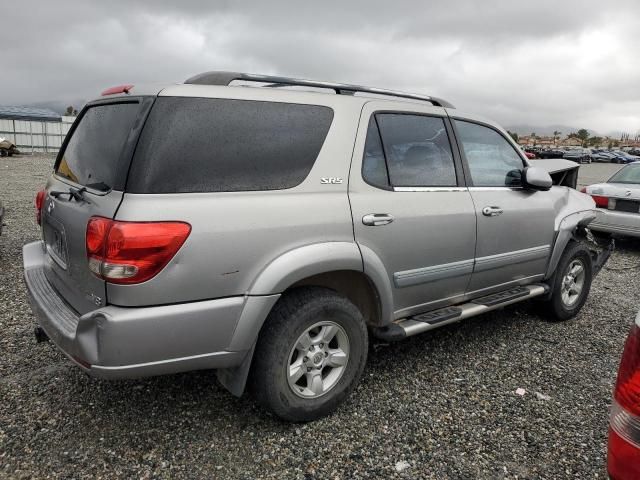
<point x="407" y="327"/>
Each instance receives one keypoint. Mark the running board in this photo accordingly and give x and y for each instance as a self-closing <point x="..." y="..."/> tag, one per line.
<point x="407" y="327"/>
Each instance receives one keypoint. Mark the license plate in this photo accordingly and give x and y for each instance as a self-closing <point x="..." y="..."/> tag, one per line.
<point x="56" y="243"/>
<point x="631" y="206"/>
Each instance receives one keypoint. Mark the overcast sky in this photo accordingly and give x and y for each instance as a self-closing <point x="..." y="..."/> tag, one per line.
<point x="568" y="62"/>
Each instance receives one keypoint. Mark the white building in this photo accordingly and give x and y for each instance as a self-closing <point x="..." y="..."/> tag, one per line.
<point x="34" y="129"/>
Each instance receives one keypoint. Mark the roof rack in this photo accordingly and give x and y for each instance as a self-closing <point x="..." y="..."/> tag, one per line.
<point x="225" y="78"/>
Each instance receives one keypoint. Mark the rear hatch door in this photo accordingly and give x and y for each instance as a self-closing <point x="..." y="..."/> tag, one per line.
<point x="89" y="178"/>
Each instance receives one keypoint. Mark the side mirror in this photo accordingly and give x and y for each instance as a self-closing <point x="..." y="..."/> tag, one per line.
<point x="537" y="178"/>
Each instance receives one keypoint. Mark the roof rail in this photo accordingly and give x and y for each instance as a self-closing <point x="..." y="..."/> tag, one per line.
<point x="225" y="78"/>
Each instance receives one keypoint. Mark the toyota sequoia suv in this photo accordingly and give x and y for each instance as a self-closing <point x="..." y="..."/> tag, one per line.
<point x="268" y="227"/>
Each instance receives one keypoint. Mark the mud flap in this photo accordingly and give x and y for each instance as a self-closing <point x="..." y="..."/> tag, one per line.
<point x="235" y="379"/>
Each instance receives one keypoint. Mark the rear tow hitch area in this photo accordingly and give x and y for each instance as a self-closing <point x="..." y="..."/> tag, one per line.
<point x="40" y="334"/>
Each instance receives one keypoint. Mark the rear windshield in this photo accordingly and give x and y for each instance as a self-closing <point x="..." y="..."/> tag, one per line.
<point x="629" y="174"/>
<point x="220" y="145"/>
<point x="93" y="154"/>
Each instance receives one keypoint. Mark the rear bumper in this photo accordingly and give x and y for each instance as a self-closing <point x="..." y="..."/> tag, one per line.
<point x="116" y="342"/>
<point x="621" y="223"/>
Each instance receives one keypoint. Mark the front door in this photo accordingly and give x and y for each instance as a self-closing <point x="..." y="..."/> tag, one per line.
<point x="515" y="225"/>
<point x="410" y="206"/>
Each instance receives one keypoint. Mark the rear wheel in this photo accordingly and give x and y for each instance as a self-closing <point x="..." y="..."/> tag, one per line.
<point x="310" y="354"/>
<point x="571" y="283"/>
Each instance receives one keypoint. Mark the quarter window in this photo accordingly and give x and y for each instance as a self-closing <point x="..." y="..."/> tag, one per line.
<point x="416" y="149"/>
<point x="492" y="160"/>
<point x="222" y="145"/>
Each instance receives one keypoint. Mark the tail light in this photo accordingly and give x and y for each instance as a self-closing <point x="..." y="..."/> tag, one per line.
<point x="39" y="203"/>
<point x="132" y="252"/>
<point x="624" y="428"/>
<point x="601" y="201"/>
<point x="116" y="90"/>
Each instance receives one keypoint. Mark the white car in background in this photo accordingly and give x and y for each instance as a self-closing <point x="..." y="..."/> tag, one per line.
<point x="618" y="202"/>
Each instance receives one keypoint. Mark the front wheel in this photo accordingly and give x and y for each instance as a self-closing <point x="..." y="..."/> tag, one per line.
<point x="571" y="283"/>
<point x="310" y="354"/>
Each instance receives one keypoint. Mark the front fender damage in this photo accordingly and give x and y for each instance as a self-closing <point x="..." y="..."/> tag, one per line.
<point x="575" y="227"/>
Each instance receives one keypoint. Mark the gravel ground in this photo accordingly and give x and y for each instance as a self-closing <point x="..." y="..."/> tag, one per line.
<point x="440" y="405"/>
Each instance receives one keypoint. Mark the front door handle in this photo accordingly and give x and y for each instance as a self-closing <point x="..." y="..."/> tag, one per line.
<point x="377" y="219"/>
<point x="492" y="211"/>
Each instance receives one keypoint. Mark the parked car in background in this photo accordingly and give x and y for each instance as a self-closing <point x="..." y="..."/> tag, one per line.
<point x="529" y="155"/>
<point x="580" y="155"/>
<point x="623" y="157"/>
<point x="618" y="202"/>
<point x="600" y="155"/>
<point x="551" y="153"/>
<point x="634" y="151"/>
<point x="316" y="242"/>
<point x="623" y="458"/>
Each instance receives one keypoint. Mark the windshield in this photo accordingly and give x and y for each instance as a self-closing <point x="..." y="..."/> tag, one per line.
<point x="629" y="174"/>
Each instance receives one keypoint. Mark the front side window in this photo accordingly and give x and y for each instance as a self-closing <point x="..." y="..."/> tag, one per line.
<point x="416" y="149"/>
<point x="493" y="162"/>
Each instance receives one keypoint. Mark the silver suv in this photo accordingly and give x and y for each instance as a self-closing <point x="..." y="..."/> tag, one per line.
<point x="266" y="227"/>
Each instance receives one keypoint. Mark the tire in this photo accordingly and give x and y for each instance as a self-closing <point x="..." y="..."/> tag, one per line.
<point x="563" y="305"/>
<point x="282" y="346"/>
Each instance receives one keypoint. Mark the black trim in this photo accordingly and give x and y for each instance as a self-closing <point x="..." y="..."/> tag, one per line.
<point x="465" y="162"/>
<point x="436" y="316"/>
<point x="501" y="297"/>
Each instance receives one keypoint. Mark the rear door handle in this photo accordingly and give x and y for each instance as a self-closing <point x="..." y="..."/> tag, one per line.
<point x="377" y="219"/>
<point x="492" y="211"/>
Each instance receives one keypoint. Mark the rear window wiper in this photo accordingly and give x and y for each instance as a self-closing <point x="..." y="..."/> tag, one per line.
<point x="75" y="193"/>
<point x="100" y="186"/>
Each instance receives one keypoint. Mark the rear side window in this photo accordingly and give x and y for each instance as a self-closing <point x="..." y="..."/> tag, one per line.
<point x="416" y="149"/>
<point x="220" y="145"/>
<point x="93" y="154"/>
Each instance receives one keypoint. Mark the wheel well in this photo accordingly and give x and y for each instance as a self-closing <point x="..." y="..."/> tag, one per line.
<point x="355" y="286"/>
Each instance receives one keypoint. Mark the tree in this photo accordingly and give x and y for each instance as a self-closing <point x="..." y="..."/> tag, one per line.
<point x="534" y="136"/>
<point x="595" y="141"/>
<point x="513" y="135"/>
<point x="69" y="111"/>
<point x="556" y="136"/>
<point x="583" y="134"/>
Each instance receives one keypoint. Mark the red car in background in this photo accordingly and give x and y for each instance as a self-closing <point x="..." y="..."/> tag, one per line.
<point x="623" y="460"/>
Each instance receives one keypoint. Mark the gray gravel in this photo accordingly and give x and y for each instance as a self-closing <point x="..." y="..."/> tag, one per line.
<point x="441" y="405"/>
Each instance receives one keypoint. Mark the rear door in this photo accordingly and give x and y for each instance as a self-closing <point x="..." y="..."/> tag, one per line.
<point x="410" y="205"/>
<point x="93" y="162"/>
<point x="515" y="225"/>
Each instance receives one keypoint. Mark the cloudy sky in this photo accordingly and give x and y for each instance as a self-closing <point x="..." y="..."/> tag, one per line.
<point x="560" y="62"/>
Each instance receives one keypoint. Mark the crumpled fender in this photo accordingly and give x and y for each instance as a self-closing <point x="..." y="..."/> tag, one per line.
<point x="577" y="210"/>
